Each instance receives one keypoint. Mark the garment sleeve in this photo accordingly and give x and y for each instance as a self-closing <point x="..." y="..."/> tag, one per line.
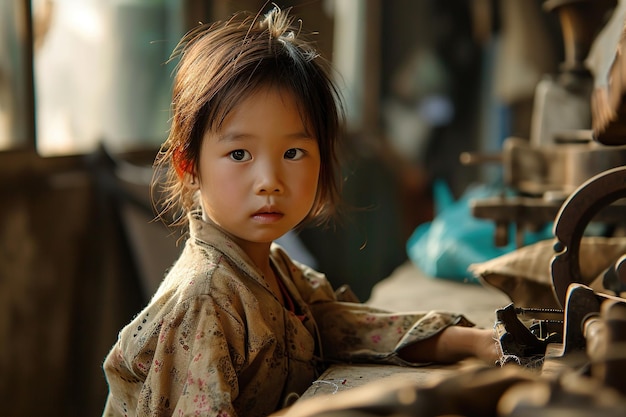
<point x="355" y="332"/>
<point x="189" y="366"/>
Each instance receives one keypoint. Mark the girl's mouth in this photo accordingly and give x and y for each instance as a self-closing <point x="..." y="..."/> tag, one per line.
<point x="267" y="216"/>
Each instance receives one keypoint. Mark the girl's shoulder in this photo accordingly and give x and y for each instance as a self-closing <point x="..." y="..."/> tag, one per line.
<point x="197" y="276"/>
<point x="199" y="270"/>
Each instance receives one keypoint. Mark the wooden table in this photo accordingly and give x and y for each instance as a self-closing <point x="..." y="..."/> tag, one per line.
<point x="343" y="386"/>
<point x="342" y="377"/>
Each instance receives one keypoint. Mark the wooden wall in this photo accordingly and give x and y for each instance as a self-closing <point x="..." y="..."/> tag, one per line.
<point x="67" y="285"/>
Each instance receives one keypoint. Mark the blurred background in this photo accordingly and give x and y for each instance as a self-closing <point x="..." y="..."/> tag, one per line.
<point x="84" y="106"/>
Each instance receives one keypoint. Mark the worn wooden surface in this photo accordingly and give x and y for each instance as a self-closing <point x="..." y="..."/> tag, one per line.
<point x="409" y="289"/>
<point x="342" y="377"/>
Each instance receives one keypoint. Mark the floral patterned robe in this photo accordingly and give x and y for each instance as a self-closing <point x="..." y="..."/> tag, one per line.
<point x="215" y="341"/>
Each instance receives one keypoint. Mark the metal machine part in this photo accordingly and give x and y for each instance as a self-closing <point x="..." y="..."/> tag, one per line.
<point x="563" y="102"/>
<point x="519" y="340"/>
<point x="572" y="179"/>
<point x="571" y="221"/>
<point x="615" y="277"/>
<point x="590" y="333"/>
<point x="544" y="177"/>
<point x="555" y="171"/>
<point x="605" y="334"/>
<point x="561" y="153"/>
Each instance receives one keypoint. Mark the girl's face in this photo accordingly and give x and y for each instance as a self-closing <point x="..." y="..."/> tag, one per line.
<point x="258" y="175"/>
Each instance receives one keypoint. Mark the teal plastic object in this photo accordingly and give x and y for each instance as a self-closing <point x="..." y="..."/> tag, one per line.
<point x="454" y="239"/>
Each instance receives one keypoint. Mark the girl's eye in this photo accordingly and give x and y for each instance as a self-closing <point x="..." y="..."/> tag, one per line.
<point x="294" y="154"/>
<point x="240" y="155"/>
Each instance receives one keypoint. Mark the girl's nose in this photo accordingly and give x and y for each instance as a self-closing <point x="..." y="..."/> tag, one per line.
<point x="269" y="179"/>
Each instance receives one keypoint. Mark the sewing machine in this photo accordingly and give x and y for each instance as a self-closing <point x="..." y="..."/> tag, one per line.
<point x="572" y="171"/>
<point x="565" y="148"/>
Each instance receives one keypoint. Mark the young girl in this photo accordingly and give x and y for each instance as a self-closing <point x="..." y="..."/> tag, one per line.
<point x="237" y="327"/>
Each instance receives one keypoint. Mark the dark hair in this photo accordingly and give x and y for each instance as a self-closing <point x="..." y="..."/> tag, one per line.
<point x="224" y="63"/>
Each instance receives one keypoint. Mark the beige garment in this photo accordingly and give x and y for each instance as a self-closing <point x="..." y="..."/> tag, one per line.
<point x="524" y="274"/>
<point x="215" y="341"/>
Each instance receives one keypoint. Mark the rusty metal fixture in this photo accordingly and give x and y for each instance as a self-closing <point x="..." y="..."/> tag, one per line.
<point x="573" y="218"/>
<point x="614" y="278"/>
<point x="605" y="347"/>
<point x="544" y="177"/>
<point x="520" y="340"/>
<point x="581" y="304"/>
<point x="595" y="324"/>
<point x="559" y="168"/>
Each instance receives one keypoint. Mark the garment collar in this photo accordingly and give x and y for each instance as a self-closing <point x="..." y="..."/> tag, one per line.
<point x="206" y="233"/>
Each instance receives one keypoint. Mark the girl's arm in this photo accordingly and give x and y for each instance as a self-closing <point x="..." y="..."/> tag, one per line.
<point x="358" y="332"/>
<point x="452" y="344"/>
